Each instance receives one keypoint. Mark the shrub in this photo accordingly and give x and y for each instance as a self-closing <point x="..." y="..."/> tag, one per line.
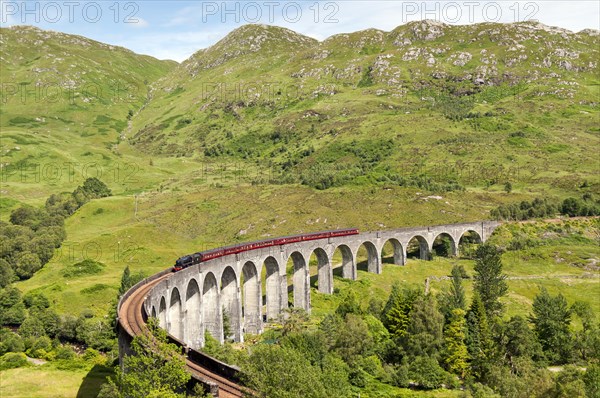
<point x="40" y="347"/>
<point x="95" y="188"/>
<point x="65" y="352"/>
<point x="427" y="373"/>
<point x="13" y="360"/>
<point x="93" y="356"/>
<point x="85" y="267"/>
<point x="32" y="327"/>
<point x="10" y="342"/>
<point x="401" y="377"/>
<point x="33" y="299"/>
<point x="12" y="309"/>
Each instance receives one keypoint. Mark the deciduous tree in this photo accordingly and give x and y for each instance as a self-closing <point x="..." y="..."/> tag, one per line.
<point x="156" y="369"/>
<point x="551" y="318"/>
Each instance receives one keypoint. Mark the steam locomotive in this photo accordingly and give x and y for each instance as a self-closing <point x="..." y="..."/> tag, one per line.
<point x="197" y="258"/>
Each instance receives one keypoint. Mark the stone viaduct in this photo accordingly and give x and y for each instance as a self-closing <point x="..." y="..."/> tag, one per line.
<point x="194" y="300"/>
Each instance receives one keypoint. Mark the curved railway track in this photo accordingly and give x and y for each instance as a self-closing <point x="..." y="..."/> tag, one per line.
<point x="131" y="319"/>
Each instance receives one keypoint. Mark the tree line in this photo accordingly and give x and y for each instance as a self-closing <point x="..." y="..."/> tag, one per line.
<point x="30" y="326"/>
<point x="33" y="234"/>
<point x="544" y="208"/>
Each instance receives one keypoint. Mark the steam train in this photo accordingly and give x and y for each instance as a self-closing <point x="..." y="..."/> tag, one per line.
<point x="197" y="258"/>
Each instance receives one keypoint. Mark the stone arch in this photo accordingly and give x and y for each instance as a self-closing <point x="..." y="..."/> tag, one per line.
<point x="193" y="315"/>
<point x="423" y="247"/>
<point x="398" y="251"/>
<point x="301" y="281"/>
<point x="472" y="232"/>
<point x="252" y="298"/>
<point x="230" y="302"/>
<point x="373" y="260"/>
<point x="467" y="240"/>
<point x="439" y="248"/>
<point x="153" y="312"/>
<point x="211" y="308"/>
<point x="324" y="271"/>
<point x="273" y="287"/>
<point x="162" y="313"/>
<point x="175" y="317"/>
<point x="348" y="262"/>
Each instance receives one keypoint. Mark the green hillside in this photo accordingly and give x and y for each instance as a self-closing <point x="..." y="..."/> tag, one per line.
<point x="465" y="105"/>
<point x="206" y="170"/>
<point x="65" y="103"/>
<point x="271" y="133"/>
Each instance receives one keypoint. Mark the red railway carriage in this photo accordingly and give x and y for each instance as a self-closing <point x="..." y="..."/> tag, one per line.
<point x="197" y="258"/>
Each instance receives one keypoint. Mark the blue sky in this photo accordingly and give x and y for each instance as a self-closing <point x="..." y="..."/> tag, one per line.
<point x="176" y="29"/>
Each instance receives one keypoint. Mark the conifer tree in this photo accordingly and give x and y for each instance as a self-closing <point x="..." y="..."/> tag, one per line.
<point x="396" y="313"/>
<point x="125" y="281"/>
<point x="478" y="340"/>
<point x="490" y="282"/>
<point x="455" y="351"/>
<point x="454" y="297"/>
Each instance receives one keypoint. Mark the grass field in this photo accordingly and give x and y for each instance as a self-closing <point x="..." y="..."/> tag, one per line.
<point x="50" y="381"/>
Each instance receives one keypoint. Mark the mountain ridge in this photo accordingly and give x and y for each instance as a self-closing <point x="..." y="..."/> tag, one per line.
<point x="358" y="108"/>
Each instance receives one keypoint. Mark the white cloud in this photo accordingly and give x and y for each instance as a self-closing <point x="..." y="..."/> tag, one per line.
<point x="139" y="23"/>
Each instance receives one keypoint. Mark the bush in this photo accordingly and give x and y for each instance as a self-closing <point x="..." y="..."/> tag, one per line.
<point x="401" y="377"/>
<point x="479" y="390"/>
<point x="85" y="267"/>
<point x="7" y="275"/>
<point x="68" y="328"/>
<point x="26" y="264"/>
<point x="591" y="378"/>
<point x="12" y="309"/>
<point x="96" y="333"/>
<point x="95" y="188"/>
<point x="524" y="210"/>
<point x="427" y="373"/>
<point x="10" y="342"/>
<point x="32" y="327"/>
<point x="574" y="207"/>
<point x="65" y="352"/>
<point x="40" y="348"/>
<point x="93" y="356"/>
<point x="38" y="300"/>
<point x="49" y="319"/>
<point x="372" y="365"/>
<point x="13" y="360"/>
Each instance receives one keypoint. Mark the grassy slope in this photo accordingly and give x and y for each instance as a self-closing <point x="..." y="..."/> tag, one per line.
<point x="171" y="224"/>
<point x="181" y="210"/>
<point x="545" y="132"/>
<point x="65" y="119"/>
